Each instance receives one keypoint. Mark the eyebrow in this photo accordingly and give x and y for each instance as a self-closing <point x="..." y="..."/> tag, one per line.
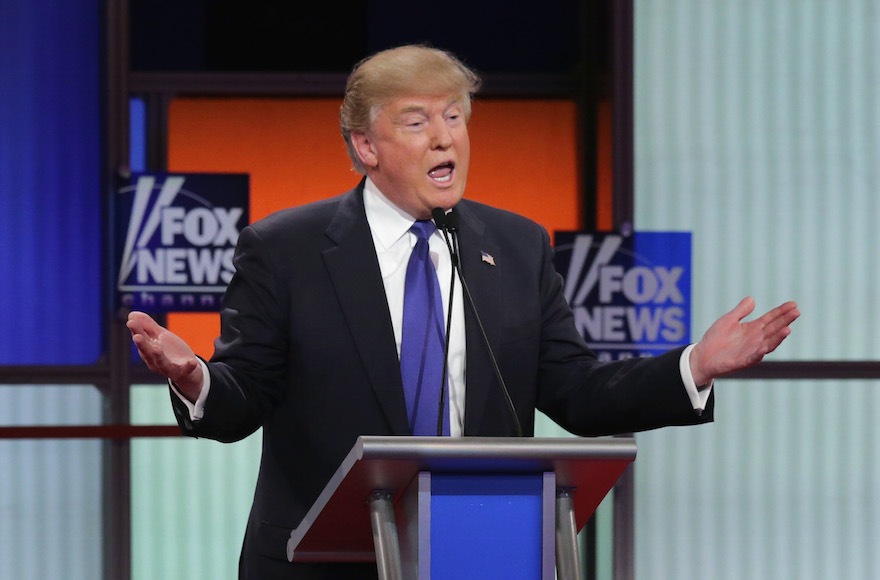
<point x="421" y="109"/>
<point x="413" y="109"/>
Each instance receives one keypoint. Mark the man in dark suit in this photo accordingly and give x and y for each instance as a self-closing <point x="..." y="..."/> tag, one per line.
<point x="312" y="322"/>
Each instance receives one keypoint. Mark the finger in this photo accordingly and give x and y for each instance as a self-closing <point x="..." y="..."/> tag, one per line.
<point x="779" y="328"/>
<point x="134" y="322"/>
<point x="745" y="307"/>
<point x="146" y="350"/>
<point x="780" y="317"/>
<point x="781" y="310"/>
<point x="139" y="342"/>
<point x="774" y="341"/>
<point x="174" y="369"/>
<point x="141" y="323"/>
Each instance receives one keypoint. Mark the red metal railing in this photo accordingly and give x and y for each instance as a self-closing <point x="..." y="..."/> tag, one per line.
<point x="89" y="431"/>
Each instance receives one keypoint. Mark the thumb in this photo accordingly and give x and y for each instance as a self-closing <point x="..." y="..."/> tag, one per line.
<point x="141" y="323"/>
<point x="745" y="307"/>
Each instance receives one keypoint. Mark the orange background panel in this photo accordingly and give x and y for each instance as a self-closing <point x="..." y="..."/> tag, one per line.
<point x="292" y="149"/>
<point x="523" y="158"/>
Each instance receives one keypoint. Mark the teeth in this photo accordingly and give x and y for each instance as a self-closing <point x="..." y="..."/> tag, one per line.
<point x="442" y="173"/>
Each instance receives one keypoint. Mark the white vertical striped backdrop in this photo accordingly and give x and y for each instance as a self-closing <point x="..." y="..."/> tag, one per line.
<point x="190" y="497"/>
<point x="758" y="128"/>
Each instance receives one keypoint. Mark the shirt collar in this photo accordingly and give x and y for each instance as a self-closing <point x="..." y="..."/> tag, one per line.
<point x="388" y="223"/>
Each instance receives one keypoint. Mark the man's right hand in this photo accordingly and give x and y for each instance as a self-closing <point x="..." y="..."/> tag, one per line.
<point x="167" y="354"/>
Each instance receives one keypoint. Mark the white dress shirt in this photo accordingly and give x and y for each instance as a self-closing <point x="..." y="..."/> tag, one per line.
<point x="394" y="243"/>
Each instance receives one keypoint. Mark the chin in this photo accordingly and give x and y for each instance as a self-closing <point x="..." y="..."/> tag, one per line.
<point x="451" y="197"/>
<point x="447" y="203"/>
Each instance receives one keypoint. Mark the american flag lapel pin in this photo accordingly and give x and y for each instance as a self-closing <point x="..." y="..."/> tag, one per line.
<point x="487" y="257"/>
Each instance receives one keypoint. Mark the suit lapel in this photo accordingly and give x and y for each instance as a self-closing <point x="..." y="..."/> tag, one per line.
<point x="354" y="270"/>
<point x="478" y="252"/>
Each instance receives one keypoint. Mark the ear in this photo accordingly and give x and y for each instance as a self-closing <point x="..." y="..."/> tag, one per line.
<point x="363" y="144"/>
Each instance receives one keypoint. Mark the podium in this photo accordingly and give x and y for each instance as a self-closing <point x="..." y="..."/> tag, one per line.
<point x="441" y="507"/>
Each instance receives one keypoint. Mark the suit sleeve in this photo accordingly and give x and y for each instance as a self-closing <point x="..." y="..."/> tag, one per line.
<point x="248" y="368"/>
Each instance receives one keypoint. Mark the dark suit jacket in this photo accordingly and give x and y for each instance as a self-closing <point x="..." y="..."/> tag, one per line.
<point x="307" y="352"/>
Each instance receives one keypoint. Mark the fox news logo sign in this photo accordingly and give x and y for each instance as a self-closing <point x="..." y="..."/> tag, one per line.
<point x="176" y="235"/>
<point x="631" y="296"/>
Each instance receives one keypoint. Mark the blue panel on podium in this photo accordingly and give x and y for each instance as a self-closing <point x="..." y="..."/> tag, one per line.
<point x="486" y="526"/>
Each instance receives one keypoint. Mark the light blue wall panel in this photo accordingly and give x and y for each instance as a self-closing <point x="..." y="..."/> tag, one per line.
<point x="50" y="490"/>
<point x="758" y="128"/>
<point x="190" y="497"/>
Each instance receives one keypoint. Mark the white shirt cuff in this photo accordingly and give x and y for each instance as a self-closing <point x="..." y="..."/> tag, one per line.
<point x="698" y="394"/>
<point x="197" y="409"/>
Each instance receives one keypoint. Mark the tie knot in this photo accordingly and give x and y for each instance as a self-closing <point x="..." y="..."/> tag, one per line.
<point x="423" y="229"/>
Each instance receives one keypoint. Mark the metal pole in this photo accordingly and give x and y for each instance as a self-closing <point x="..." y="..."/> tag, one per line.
<point x="385" y="538"/>
<point x="568" y="566"/>
<point x="116" y="453"/>
<point x="623" y="24"/>
<point x="624" y="526"/>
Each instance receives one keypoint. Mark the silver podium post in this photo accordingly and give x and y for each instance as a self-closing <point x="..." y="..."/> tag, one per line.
<point x="385" y="535"/>
<point x="568" y="563"/>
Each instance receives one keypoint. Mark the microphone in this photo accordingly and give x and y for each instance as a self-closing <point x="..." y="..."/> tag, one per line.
<point x="442" y="223"/>
<point x="448" y="222"/>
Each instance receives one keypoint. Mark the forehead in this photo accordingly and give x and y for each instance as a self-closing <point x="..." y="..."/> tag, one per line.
<point x="420" y="103"/>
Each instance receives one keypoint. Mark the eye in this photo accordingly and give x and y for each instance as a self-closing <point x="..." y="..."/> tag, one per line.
<point x="453" y="116"/>
<point x="413" y="122"/>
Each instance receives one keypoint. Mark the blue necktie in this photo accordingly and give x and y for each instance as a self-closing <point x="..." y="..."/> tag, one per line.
<point x="421" y="349"/>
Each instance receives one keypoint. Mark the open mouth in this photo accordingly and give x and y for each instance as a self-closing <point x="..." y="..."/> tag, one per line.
<point x="443" y="172"/>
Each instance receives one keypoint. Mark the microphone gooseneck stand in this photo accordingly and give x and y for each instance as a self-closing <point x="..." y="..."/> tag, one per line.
<point x="448" y="224"/>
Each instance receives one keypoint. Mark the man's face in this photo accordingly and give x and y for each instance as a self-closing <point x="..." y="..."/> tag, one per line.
<point x="417" y="153"/>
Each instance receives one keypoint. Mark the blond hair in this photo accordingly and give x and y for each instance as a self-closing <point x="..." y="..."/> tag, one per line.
<point x="413" y="70"/>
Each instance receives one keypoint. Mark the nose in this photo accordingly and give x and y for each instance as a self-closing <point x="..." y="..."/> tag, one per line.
<point x="441" y="137"/>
